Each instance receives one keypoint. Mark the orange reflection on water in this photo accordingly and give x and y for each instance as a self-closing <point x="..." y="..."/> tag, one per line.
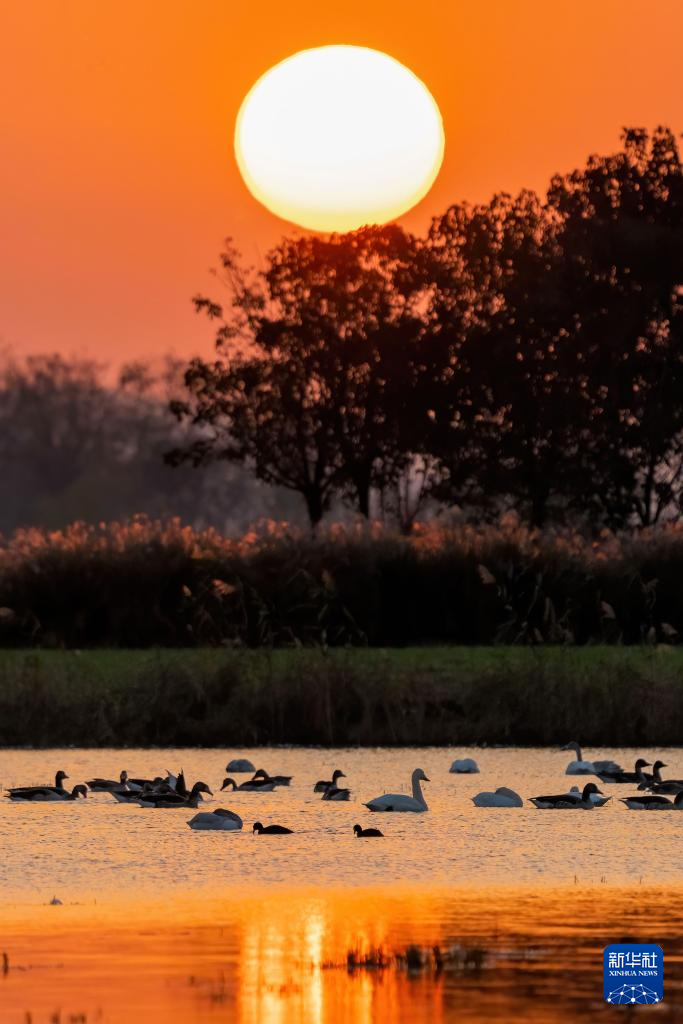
<point x="281" y="957"/>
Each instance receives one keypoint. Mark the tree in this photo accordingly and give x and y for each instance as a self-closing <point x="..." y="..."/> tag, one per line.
<point x="563" y="318"/>
<point x="311" y="387"/>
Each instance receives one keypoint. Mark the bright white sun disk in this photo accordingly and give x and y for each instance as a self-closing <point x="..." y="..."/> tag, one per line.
<point x="337" y="137"/>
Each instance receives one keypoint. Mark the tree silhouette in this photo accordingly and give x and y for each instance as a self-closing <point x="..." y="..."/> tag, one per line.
<point x="312" y="384"/>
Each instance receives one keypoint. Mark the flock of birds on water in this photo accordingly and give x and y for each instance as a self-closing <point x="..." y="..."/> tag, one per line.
<point x="171" y="791"/>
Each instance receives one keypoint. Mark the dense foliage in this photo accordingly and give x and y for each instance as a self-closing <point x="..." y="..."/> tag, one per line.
<point x="145" y="583"/>
<point x="526" y="354"/>
<point x="421" y="697"/>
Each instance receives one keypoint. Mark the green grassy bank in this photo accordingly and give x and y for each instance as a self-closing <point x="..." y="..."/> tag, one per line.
<point x="230" y="698"/>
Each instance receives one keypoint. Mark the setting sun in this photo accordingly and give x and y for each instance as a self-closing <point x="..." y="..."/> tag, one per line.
<point x="339" y="136"/>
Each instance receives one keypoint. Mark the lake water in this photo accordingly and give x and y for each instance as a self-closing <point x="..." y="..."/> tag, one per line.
<point x="160" y="923"/>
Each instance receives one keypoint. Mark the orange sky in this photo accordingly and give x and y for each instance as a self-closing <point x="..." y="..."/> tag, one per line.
<point x="117" y="177"/>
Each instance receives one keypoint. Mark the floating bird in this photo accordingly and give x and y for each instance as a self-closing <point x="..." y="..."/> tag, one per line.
<point x="152" y="799"/>
<point x="503" y="797"/>
<point x="621" y="777"/>
<point x="239" y="765"/>
<point x="22" y="792"/>
<point x="219" y="820"/>
<point x="48" y="794"/>
<point x="464" y="766"/>
<point x="250" y="786"/>
<point x="653" y="803"/>
<point x="277" y="780"/>
<point x="108" y="785"/>
<point x="401" y="802"/>
<point x="653" y="780"/>
<point x="132" y="796"/>
<point x="568" y="801"/>
<point x="667" y="786"/>
<point x="270" y="830"/>
<point x="598" y="800"/>
<point x="324" y="784"/>
<point x="336" y="793"/>
<point x="581" y="767"/>
<point x="139" y="784"/>
<point x="367" y="833"/>
<point x="77" y="791"/>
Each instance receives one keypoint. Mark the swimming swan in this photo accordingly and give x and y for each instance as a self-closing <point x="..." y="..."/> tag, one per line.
<point x="464" y="766"/>
<point x="503" y="797"/>
<point x="401" y="802"/>
<point x="581" y="767"/>
<point x="239" y="765"/>
<point x="219" y="820"/>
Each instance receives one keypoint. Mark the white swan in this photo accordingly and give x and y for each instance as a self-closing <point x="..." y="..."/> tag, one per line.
<point x="503" y="797"/>
<point x="239" y="764"/>
<point x="219" y="820"/>
<point x="599" y="801"/>
<point x="464" y="766"/>
<point x="581" y="767"/>
<point x="401" y="802"/>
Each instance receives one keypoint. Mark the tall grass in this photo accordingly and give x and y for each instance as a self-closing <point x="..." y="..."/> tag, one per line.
<point x="145" y="583"/>
<point x="442" y="696"/>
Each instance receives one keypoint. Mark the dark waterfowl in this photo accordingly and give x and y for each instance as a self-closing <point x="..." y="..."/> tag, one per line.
<point x="79" y="790"/>
<point x="139" y="784"/>
<point x="108" y="785"/>
<point x="270" y="830"/>
<point x="324" y="784"/>
<point x="250" y="786"/>
<point x="132" y="796"/>
<point x="277" y="780"/>
<point x="623" y="778"/>
<point x="568" y="801"/>
<point x="336" y="793"/>
<point x="48" y="794"/>
<point x="668" y="787"/>
<point x="151" y="799"/>
<point x="653" y="803"/>
<point x="367" y="833"/>
<point x="20" y="792"/>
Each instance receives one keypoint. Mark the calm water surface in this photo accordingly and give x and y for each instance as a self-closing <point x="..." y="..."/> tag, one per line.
<point x="160" y="923"/>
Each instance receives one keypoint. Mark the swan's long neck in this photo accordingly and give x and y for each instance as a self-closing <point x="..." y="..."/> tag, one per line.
<point x="578" y="752"/>
<point x="417" y="791"/>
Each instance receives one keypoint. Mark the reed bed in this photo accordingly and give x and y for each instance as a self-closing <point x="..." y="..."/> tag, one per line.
<point x="604" y="696"/>
<point x="145" y="583"/>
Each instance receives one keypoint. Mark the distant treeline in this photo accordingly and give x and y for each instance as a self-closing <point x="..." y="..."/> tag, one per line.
<point x="526" y="354"/>
<point x="146" y="583"/>
<point x="78" y="442"/>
